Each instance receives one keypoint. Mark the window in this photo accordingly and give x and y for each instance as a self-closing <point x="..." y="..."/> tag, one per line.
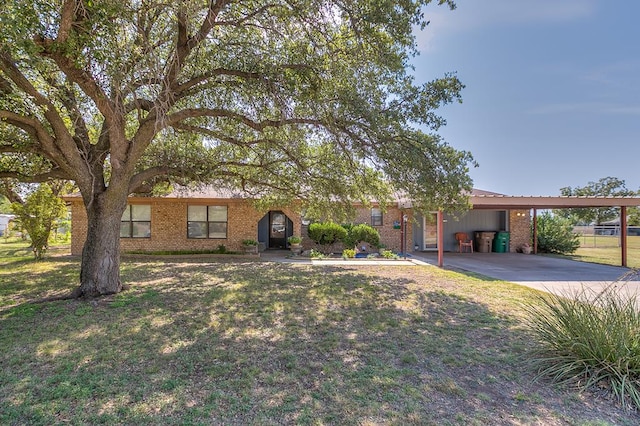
<point x="376" y="217"/>
<point x="136" y="221"/>
<point x="207" y="221"/>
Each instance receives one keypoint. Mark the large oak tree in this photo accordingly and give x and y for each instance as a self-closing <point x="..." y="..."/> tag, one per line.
<point x="307" y="100"/>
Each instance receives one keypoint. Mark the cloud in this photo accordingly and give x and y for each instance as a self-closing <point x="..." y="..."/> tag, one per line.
<point x="598" y="108"/>
<point x="619" y="73"/>
<point x="474" y="15"/>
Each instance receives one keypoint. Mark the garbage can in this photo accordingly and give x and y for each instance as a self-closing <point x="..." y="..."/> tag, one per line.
<point x="483" y="241"/>
<point x="501" y="242"/>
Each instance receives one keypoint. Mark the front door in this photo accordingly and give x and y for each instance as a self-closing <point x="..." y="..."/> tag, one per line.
<point x="430" y="227"/>
<point x="277" y="230"/>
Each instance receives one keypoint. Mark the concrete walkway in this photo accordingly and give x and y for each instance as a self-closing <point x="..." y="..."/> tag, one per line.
<point x="284" y="256"/>
<point x="551" y="274"/>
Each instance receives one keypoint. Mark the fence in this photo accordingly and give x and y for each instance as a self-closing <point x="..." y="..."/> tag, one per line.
<point x="603" y="235"/>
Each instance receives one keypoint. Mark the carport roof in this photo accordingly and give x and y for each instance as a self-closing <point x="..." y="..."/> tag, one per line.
<point x="499" y="201"/>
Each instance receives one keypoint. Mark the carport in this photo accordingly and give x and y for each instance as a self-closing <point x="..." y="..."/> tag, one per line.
<point x="492" y="201"/>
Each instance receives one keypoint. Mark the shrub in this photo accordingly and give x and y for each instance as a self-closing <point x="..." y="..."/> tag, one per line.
<point x="589" y="340"/>
<point x="361" y="233"/>
<point x="249" y="242"/>
<point x="555" y="235"/>
<point x="326" y="233"/>
<point x="388" y="254"/>
<point x="315" y="254"/>
<point x="348" y="253"/>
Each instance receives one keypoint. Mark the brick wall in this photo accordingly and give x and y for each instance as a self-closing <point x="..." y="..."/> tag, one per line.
<point x="169" y="225"/>
<point x="520" y="228"/>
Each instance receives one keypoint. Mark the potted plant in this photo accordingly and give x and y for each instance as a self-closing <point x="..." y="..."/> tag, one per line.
<point x="250" y="246"/>
<point x="294" y="240"/>
<point x="295" y="243"/>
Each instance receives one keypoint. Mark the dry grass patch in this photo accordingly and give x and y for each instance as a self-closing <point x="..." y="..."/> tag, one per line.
<point x="265" y="343"/>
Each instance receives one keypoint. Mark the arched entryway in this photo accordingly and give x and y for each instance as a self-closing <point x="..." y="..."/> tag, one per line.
<point x="274" y="229"/>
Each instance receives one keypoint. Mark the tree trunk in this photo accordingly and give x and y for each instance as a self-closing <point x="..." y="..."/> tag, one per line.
<point x="100" y="268"/>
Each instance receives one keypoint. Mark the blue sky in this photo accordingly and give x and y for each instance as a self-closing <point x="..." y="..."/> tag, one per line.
<point x="552" y="95"/>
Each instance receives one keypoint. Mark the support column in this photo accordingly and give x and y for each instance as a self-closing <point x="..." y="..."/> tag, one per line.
<point x="623" y="234"/>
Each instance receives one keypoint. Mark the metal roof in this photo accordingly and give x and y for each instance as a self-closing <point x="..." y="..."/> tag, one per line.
<point x="548" y="202"/>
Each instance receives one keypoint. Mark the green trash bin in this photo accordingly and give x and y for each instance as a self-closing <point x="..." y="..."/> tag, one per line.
<point x="501" y="242"/>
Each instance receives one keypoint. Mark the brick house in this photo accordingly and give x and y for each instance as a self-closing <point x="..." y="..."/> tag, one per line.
<point x="207" y="220"/>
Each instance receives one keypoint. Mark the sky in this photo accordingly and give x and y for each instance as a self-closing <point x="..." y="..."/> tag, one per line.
<point x="552" y="96"/>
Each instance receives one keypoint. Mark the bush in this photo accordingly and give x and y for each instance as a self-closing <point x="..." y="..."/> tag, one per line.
<point x="361" y="233"/>
<point x="388" y="254"/>
<point x="326" y="233"/>
<point x="315" y="254"/>
<point x="555" y="235"/>
<point x="348" y="253"/>
<point x="589" y="340"/>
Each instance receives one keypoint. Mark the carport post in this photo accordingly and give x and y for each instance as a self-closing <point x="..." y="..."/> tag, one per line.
<point x="623" y="234"/>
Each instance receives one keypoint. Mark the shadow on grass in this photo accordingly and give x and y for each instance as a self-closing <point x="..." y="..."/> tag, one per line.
<point x="266" y="343"/>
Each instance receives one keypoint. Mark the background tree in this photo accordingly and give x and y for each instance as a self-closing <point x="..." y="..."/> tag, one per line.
<point x="308" y="100"/>
<point x="605" y="187"/>
<point x="5" y="205"/>
<point x="39" y="212"/>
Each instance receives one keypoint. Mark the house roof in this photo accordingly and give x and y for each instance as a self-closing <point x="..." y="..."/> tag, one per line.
<point x="479" y="198"/>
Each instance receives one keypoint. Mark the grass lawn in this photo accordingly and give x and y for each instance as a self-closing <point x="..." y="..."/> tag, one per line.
<point x="251" y="342"/>
<point x="605" y="249"/>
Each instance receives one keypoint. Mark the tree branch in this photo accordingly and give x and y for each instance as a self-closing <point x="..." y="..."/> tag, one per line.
<point x="31" y="126"/>
<point x="60" y="149"/>
<point x="259" y="126"/>
<point x="66" y="20"/>
<point x="139" y="179"/>
<point x="41" y="177"/>
<point x="15" y="149"/>
<point x="79" y="76"/>
<point x="245" y="18"/>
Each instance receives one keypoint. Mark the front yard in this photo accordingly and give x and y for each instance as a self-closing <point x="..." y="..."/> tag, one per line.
<point x="252" y="342"/>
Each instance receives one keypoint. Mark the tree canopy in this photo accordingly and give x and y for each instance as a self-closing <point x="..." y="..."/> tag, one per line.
<point x="309" y="100"/>
<point x="605" y="187"/>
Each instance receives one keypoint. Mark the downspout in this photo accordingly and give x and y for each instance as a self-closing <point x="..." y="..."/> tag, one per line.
<point x="402" y="230"/>
<point x="535" y="231"/>
<point x="440" y="231"/>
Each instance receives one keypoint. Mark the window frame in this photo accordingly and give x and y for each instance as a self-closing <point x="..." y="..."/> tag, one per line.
<point x="208" y="223"/>
<point x="131" y="221"/>
<point x="377" y="219"/>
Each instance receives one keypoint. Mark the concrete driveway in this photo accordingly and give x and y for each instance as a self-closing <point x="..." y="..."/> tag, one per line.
<point x="554" y="275"/>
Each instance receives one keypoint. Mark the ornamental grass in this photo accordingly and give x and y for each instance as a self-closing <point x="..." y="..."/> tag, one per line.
<point x="590" y="341"/>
